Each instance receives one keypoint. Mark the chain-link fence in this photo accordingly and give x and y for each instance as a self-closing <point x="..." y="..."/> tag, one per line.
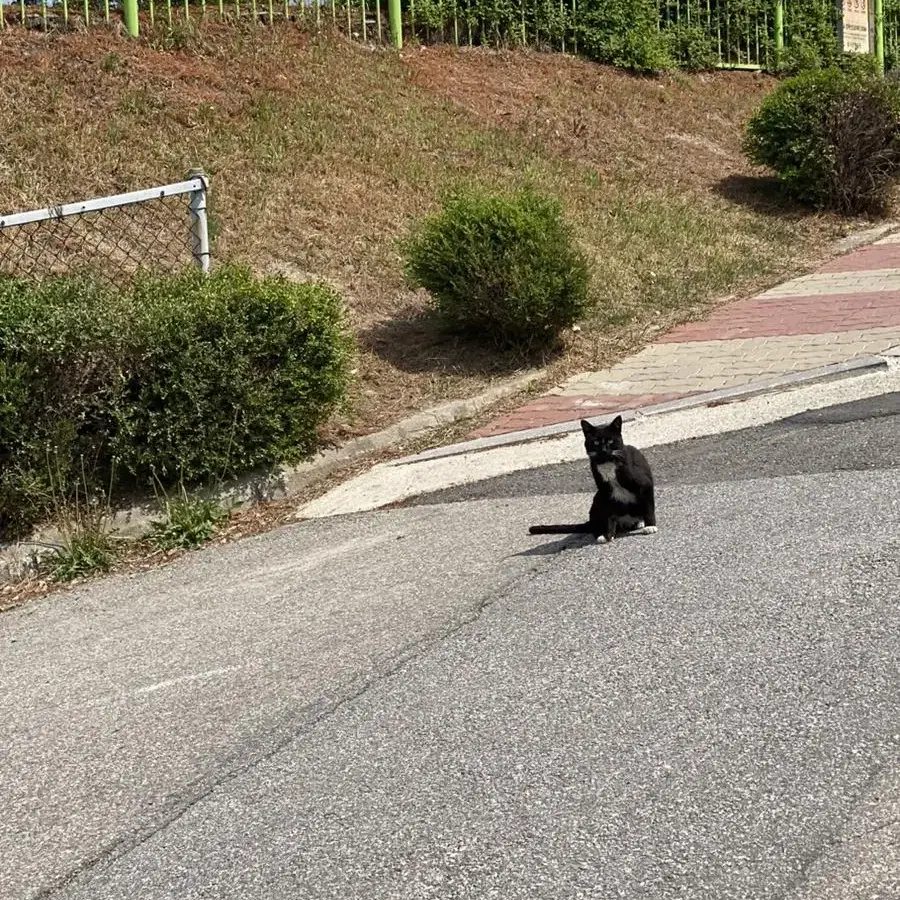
<point x="162" y="229"/>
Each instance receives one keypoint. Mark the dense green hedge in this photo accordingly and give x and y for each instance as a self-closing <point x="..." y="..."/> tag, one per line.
<point x="186" y="377"/>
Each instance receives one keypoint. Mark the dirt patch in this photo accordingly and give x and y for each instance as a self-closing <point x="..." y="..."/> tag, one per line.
<point x="618" y="123"/>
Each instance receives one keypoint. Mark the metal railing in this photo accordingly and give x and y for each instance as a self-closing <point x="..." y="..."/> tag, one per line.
<point x="160" y="229"/>
<point x="729" y="33"/>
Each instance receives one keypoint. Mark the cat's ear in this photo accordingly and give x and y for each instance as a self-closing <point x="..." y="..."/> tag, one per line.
<point x="587" y="428"/>
<point x="616" y="424"/>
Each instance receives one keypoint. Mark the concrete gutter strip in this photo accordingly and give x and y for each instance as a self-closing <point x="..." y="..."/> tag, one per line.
<point x="858" y="366"/>
<point x="862" y="238"/>
<point x="287" y="481"/>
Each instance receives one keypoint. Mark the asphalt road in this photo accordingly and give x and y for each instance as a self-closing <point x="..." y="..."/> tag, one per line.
<point x="849" y="437"/>
<point x="428" y="703"/>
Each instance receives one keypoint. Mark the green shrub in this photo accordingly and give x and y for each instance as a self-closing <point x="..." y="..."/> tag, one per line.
<point x="234" y="373"/>
<point x="811" y="29"/>
<point x="799" y="56"/>
<point x="692" y="47"/>
<point x="60" y="352"/>
<point x="187" y="376"/>
<point x="624" y="33"/>
<point x="503" y="265"/>
<point x="891" y="60"/>
<point x="859" y="65"/>
<point x="832" y="137"/>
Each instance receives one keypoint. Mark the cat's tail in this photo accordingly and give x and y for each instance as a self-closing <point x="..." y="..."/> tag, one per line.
<point x="583" y="528"/>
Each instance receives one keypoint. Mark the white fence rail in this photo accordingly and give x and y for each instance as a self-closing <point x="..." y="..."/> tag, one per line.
<point x="159" y="229"/>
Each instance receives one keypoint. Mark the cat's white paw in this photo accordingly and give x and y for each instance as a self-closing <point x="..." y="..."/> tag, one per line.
<point x="647" y="529"/>
<point x="602" y="539"/>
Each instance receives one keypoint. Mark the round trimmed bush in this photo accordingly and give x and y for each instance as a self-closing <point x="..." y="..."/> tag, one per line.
<point x="503" y="265"/>
<point x="234" y="372"/>
<point x="832" y="137"/>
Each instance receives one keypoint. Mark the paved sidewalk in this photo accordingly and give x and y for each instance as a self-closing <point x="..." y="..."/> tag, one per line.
<point x="847" y="309"/>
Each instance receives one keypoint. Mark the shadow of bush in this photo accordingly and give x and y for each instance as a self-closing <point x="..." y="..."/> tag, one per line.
<point x="420" y="342"/>
<point x="762" y="194"/>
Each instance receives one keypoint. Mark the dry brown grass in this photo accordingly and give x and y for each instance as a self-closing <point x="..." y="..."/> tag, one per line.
<point x="321" y="153"/>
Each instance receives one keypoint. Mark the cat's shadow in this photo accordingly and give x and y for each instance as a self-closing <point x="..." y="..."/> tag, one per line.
<point x="569" y="542"/>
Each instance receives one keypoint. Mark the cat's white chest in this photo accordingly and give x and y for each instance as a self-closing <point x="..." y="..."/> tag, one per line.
<point x="607" y="471"/>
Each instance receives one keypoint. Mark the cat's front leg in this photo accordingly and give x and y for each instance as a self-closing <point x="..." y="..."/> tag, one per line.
<point x="648" y="526"/>
<point x="609" y="533"/>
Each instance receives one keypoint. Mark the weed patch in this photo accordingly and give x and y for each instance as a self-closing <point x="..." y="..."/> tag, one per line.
<point x="81" y="513"/>
<point x="188" y="522"/>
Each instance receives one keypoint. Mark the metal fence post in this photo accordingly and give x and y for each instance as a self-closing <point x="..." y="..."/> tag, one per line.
<point x="779" y="32"/>
<point x="396" y="20"/>
<point x="130" y="14"/>
<point x="879" y="34"/>
<point x="199" y="224"/>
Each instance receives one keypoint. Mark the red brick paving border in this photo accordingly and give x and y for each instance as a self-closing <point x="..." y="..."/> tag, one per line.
<point x="786" y="316"/>
<point x="751" y="318"/>
<point x="554" y="408"/>
<point x="876" y="256"/>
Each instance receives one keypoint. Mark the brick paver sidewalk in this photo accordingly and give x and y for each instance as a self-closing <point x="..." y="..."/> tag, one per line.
<point x="848" y="308"/>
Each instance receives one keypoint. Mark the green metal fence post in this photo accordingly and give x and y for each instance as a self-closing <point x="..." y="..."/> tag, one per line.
<point x="779" y="31"/>
<point x="396" y="20"/>
<point x="879" y="34"/>
<point x="130" y="12"/>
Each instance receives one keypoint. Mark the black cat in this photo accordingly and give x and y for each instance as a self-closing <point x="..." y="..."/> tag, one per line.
<point x="624" y="501"/>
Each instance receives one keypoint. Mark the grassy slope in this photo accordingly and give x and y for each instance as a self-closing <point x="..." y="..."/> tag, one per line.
<point x="322" y="152"/>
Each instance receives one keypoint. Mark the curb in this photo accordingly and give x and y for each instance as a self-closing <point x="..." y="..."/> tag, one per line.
<point x="284" y="482"/>
<point x="854" y="367"/>
<point x="863" y="238"/>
